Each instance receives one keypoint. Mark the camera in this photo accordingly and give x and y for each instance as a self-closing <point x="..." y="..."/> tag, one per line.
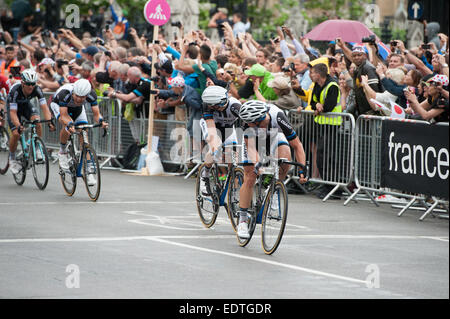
<point x="107" y="53"/>
<point x="154" y="78"/>
<point x="176" y="24"/>
<point x="426" y="46"/>
<point x="60" y="63"/>
<point x="15" y="71"/>
<point x="370" y="39"/>
<point x="443" y="103"/>
<point x="100" y="41"/>
<point x="292" y="66"/>
<point x="45" y="33"/>
<point x="394" y="43"/>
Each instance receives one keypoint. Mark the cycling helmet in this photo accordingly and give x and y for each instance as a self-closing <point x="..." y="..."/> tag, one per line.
<point x="215" y="95"/>
<point x="82" y="87"/>
<point x="252" y="111"/>
<point x="29" y="76"/>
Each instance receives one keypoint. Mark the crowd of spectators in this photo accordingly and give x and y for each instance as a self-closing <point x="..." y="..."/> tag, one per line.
<point x="119" y="64"/>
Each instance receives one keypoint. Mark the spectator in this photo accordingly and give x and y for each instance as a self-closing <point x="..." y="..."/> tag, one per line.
<point x="287" y="99"/>
<point x="238" y="25"/>
<point x="218" y="19"/>
<point x="260" y="77"/>
<point x="435" y="108"/>
<point x="364" y="67"/>
<point x="10" y="61"/>
<point x="89" y="52"/>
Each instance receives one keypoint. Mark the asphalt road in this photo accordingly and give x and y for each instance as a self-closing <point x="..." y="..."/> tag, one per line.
<point x="143" y="239"/>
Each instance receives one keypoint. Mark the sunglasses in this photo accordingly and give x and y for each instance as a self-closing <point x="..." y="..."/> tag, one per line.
<point x="29" y="84"/>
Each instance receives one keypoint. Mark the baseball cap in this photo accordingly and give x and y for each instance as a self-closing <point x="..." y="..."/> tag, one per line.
<point x="439" y="78"/>
<point x="177" y="82"/>
<point x="280" y="82"/>
<point x="166" y="66"/>
<point x="223" y="10"/>
<point x="91" y="50"/>
<point x="256" y="70"/>
<point x="360" y="49"/>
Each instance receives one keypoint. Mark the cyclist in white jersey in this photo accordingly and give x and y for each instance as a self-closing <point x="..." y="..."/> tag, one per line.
<point x="220" y="112"/>
<point x="268" y="131"/>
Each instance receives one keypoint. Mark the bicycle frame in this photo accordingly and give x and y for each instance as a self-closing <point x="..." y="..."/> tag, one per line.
<point x="223" y="191"/>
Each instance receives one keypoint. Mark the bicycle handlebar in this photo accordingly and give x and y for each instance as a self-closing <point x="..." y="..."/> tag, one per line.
<point x="86" y="126"/>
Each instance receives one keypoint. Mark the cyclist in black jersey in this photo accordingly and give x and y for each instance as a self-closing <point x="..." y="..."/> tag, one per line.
<point x="68" y="107"/>
<point x="265" y="120"/>
<point x="18" y="105"/>
<point x="220" y="112"/>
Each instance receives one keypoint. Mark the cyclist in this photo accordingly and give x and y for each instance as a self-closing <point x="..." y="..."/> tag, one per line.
<point x="67" y="106"/>
<point x="265" y="121"/>
<point x="219" y="112"/>
<point x="18" y="105"/>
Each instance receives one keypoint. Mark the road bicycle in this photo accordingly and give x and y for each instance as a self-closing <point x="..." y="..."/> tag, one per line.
<point x="269" y="206"/>
<point x="4" y="145"/>
<point x="82" y="163"/>
<point x="224" y="193"/>
<point x="32" y="154"/>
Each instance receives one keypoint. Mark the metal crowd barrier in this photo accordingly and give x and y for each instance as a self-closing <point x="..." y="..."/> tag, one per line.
<point x="122" y="133"/>
<point x="330" y="147"/>
<point x="367" y="168"/>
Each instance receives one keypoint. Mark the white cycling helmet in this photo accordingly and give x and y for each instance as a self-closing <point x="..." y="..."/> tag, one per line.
<point x="251" y="111"/>
<point x="215" y="95"/>
<point x="29" y="76"/>
<point x="82" y="87"/>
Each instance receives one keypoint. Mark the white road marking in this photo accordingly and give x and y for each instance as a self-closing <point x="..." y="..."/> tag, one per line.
<point x="231" y="236"/>
<point x="261" y="260"/>
<point x="96" y="203"/>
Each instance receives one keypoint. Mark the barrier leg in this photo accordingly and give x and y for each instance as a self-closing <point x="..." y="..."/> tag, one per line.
<point x="407" y="207"/>
<point x="331" y="193"/>
<point x="352" y="196"/>
<point x="371" y="198"/>
<point x="429" y="211"/>
<point x="349" y="193"/>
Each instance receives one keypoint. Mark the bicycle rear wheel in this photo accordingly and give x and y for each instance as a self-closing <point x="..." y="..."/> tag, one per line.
<point x="40" y="163"/>
<point x="91" y="173"/>
<point x="19" y="178"/>
<point x="69" y="178"/>
<point x="274" y="218"/>
<point x="252" y="216"/>
<point x="236" y="181"/>
<point x="207" y="206"/>
<point x="4" y="150"/>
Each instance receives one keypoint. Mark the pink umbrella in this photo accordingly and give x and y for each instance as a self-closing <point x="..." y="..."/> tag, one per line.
<point x="347" y="30"/>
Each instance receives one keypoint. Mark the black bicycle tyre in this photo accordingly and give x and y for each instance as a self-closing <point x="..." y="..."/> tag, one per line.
<point x="20" y="177"/>
<point x="270" y="249"/>
<point x="73" y="175"/>
<point x="92" y="195"/>
<point x="232" y="214"/>
<point x="4" y="134"/>
<point x="40" y="185"/>
<point x="208" y="223"/>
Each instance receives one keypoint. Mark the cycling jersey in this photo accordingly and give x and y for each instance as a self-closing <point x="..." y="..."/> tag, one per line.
<point x="279" y="132"/>
<point x="224" y="119"/>
<point x="16" y="100"/>
<point x="63" y="98"/>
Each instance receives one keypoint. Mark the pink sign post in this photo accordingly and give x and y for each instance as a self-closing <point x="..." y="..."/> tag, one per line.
<point x="157" y="13"/>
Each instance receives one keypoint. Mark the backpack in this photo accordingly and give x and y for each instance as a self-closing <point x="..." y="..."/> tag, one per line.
<point x="131" y="157"/>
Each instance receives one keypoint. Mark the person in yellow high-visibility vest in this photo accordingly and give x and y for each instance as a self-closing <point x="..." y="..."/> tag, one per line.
<point x="325" y="99"/>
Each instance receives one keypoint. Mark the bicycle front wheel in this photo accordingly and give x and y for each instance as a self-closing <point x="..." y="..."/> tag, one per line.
<point x="207" y="205"/>
<point x="274" y="218"/>
<point x="236" y="181"/>
<point x="19" y="178"/>
<point x="40" y="163"/>
<point x="91" y="173"/>
<point x="69" y="178"/>
<point x="4" y="150"/>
